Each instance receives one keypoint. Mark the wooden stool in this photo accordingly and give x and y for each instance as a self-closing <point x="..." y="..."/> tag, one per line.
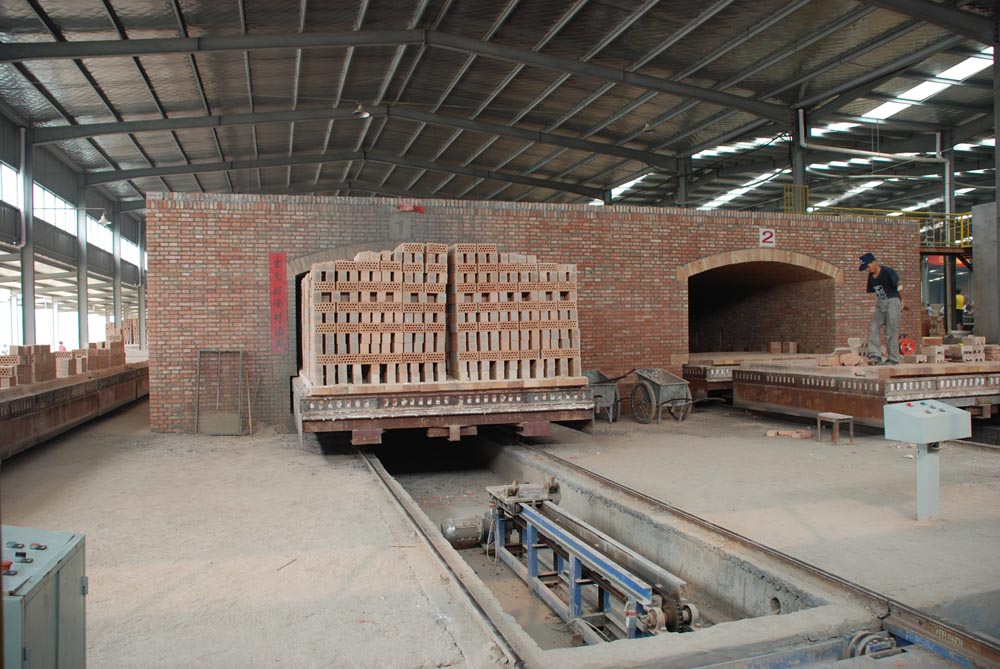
<point x="835" y="419"/>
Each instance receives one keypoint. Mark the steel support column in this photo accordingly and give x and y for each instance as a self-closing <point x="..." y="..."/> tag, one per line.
<point x="683" y="181"/>
<point x="800" y="198"/>
<point x="82" y="289"/>
<point x="116" y="275"/>
<point x="949" y="292"/>
<point x="925" y="284"/>
<point x="996" y="118"/>
<point x="26" y="242"/>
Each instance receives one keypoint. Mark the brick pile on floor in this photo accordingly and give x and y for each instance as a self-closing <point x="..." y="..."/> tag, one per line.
<point x="511" y="318"/>
<point x="379" y="318"/>
<point x="106" y="354"/>
<point x="129" y="331"/>
<point x="427" y="313"/>
<point x="932" y="350"/>
<point x="27" y="364"/>
<point x="70" y="363"/>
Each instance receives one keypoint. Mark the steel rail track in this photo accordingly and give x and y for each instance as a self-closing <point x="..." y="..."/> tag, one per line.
<point x="978" y="649"/>
<point x="498" y="636"/>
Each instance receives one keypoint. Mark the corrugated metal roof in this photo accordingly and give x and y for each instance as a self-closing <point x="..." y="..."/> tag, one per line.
<point x="788" y="52"/>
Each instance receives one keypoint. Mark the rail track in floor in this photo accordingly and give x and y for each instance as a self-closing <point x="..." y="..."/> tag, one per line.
<point x="959" y="646"/>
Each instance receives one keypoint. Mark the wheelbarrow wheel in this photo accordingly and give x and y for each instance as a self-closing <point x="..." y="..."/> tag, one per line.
<point x="680" y="409"/>
<point x="643" y="402"/>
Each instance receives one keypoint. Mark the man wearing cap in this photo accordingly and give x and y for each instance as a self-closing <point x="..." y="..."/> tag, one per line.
<point x="884" y="282"/>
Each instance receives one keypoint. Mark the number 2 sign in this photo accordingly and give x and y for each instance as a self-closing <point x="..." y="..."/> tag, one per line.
<point x="767" y="238"/>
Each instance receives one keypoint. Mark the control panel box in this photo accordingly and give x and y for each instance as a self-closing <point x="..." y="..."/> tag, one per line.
<point x="44" y="590"/>
<point x="926" y="422"/>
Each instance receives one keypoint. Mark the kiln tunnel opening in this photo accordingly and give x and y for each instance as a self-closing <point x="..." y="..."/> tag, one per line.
<point x="746" y="306"/>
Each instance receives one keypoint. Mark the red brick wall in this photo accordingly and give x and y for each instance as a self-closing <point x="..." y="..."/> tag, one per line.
<point x="208" y="273"/>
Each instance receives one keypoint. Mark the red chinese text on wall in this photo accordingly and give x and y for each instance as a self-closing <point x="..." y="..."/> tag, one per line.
<point x="278" y="292"/>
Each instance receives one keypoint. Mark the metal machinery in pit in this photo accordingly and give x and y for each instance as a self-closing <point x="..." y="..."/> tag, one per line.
<point x="601" y="588"/>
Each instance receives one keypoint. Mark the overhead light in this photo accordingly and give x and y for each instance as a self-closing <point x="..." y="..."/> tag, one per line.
<point x="103" y="220"/>
<point x="360" y="112"/>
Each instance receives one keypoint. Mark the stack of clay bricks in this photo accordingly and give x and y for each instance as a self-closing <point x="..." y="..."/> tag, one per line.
<point x="991" y="352"/>
<point x="129" y="331"/>
<point x="933" y="348"/>
<point x="70" y="363"/>
<point x="106" y="354"/>
<point x="510" y="317"/>
<point x="12" y="367"/>
<point x="973" y="349"/>
<point x="377" y="319"/>
<point x="27" y="364"/>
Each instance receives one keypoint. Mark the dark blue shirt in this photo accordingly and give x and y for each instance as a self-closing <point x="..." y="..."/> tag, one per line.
<point x="885" y="284"/>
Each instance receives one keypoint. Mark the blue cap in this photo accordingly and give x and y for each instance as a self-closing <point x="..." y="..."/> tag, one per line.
<point x="866" y="260"/>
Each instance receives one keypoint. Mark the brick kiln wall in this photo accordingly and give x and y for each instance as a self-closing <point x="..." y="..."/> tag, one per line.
<point x="208" y="274"/>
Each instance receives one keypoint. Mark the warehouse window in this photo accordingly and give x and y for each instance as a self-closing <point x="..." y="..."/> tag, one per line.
<point x="99" y="235"/>
<point x="52" y="209"/>
<point x="130" y="252"/>
<point x="9" y="190"/>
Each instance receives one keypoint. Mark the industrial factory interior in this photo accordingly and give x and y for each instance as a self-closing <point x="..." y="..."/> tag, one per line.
<point x="584" y="334"/>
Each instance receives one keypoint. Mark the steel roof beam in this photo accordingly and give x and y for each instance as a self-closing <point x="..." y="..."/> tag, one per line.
<point x="22" y="51"/>
<point x="828" y="65"/>
<point x="784" y="53"/>
<point x="13" y="52"/>
<point x="131" y="205"/>
<point x="383" y="90"/>
<point x="332" y="186"/>
<point x="182" y="28"/>
<point x="850" y="91"/>
<point x="937" y="102"/>
<point x="960" y="22"/>
<point x="549" y="35"/>
<point x="980" y="83"/>
<point x="456" y="78"/>
<point x="94" y="178"/>
<point x="869" y="125"/>
<point x="61" y="133"/>
<point x="120" y="30"/>
<point x="652" y="158"/>
<point x="649" y="95"/>
<point x="514" y="54"/>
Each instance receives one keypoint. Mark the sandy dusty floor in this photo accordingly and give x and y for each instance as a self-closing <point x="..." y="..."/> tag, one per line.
<point x="848" y="509"/>
<point x="237" y="552"/>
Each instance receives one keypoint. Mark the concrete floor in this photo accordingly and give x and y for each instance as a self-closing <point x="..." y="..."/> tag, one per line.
<point x="245" y="552"/>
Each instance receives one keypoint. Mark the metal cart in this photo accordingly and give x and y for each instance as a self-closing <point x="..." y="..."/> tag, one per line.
<point x="605" y="393"/>
<point x="657" y="390"/>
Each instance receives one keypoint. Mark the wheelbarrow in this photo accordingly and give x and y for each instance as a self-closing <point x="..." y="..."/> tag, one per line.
<point x="605" y="393"/>
<point x="657" y="390"/>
